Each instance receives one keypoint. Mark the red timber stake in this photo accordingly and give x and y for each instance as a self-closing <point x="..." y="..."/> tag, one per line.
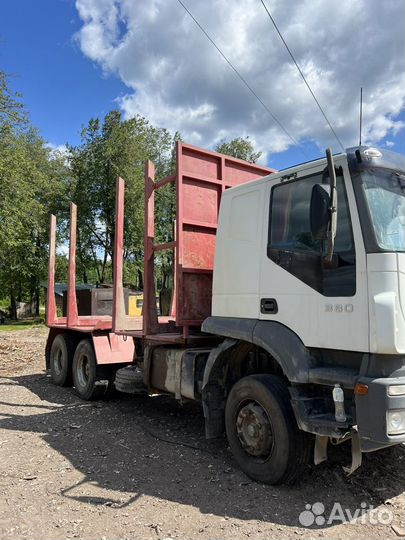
<point x="150" y="324"/>
<point x="72" y="316"/>
<point x="174" y="293"/>
<point x="178" y="265"/>
<point x="50" y="300"/>
<point x="119" y="315"/>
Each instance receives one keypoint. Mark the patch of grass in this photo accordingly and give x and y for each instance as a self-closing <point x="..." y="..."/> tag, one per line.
<point x="10" y="326"/>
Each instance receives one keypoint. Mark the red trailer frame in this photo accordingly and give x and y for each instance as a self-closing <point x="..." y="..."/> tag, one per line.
<point x="201" y="178"/>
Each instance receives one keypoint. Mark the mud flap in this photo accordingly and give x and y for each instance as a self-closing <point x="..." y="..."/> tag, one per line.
<point x="356" y="452"/>
<point x="321" y="449"/>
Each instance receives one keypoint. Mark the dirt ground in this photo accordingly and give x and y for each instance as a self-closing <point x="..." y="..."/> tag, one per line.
<point x="139" y="467"/>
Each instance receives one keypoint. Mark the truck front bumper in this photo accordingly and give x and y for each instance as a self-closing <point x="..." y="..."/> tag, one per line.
<point x="378" y="413"/>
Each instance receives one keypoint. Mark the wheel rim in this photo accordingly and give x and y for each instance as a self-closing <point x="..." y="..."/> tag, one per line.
<point x="83" y="370"/>
<point x="57" y="362"/>
<point x="254" y="430"/>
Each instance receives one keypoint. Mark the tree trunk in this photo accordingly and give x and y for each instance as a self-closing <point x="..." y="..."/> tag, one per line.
<point x="19" y="295"/>
<point x="96" y="265"/>
<point x="33" y="287"/>
<point x="103" y="266"/>
<point x="83" y="266"/>
<point x="140" y="280"/>
<point x="36" y="300"/>
<point x="13" y="306"/>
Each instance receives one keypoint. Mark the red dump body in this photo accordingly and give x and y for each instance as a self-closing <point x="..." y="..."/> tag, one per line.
<point x="201" y="178"/>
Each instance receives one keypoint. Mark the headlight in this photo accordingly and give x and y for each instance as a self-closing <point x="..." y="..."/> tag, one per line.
<point x="395" y="422"/>
<point x="397" y="390"/>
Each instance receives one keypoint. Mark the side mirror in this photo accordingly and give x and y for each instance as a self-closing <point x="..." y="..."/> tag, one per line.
<point x="320" y="211"/>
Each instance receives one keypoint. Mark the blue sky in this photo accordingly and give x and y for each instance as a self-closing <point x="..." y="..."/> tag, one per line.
<point x="77" y="60"/>
<point x="61" y="88"/>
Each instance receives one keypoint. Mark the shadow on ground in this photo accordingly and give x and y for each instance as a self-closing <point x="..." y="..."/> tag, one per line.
<point x="154" y="446"/>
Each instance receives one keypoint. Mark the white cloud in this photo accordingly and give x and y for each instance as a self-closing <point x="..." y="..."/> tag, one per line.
<point x="63" y="250"/>
<point x="57" y="149"/>
<point x="178" y="80"/>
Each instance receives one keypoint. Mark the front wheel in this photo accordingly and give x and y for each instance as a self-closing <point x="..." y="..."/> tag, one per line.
<point x="85" y="380"/>
<point x="262" y="432"/>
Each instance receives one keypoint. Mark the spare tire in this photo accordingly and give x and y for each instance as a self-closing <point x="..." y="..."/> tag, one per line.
<point x="129" y="380"/>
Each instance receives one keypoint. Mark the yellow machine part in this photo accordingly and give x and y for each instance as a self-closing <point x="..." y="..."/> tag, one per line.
<point x="135" y="303"/>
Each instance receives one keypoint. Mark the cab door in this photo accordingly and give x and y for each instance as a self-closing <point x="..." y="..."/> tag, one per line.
<point x="324" y="304"/>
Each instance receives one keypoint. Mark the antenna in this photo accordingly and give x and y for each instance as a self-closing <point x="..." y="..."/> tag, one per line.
<point x="361" y="112"/>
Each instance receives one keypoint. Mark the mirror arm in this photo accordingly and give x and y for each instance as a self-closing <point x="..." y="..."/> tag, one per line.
<point x="333" y="207"/>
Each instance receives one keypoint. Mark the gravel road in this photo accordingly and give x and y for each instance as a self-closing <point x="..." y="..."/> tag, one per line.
<point x="139" y="467"/>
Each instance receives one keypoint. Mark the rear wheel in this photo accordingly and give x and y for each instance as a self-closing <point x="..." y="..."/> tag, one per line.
<point x="262" y="432"/>
<point x="61" y="359"/>
<point x="85" y="380"/>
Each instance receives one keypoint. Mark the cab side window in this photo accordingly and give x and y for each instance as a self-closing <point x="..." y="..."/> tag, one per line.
<point x="292" y="246"/>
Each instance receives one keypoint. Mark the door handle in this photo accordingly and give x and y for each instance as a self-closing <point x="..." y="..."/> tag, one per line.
<point x="268" y="306"/>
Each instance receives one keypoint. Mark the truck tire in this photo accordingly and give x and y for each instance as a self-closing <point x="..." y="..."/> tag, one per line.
<point x="61" y="359"/>
<point x="129" y="380"/>
<point x="87" y="385"/>
<point x="262" y="432"/>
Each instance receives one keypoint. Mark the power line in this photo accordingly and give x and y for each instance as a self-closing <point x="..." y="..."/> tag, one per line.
<point x="241" y="77"/>
<point x="302" y="75"/>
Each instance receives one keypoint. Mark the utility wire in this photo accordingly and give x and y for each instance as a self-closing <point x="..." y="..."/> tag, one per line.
<point x="242" y="78"/>
<point x="302" y="75"/>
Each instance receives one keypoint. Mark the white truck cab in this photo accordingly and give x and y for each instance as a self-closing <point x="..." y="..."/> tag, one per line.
<point x="310" y="269"/>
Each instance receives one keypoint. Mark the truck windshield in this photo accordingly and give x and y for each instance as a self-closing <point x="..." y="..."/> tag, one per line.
<point x="385" y="195"/>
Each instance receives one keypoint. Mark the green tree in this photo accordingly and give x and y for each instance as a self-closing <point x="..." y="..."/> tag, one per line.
<point x="32" y="184"/>
<point x="240" y="148"/>
<point x="110" y="148"/>
<point x="12" y="111"/>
